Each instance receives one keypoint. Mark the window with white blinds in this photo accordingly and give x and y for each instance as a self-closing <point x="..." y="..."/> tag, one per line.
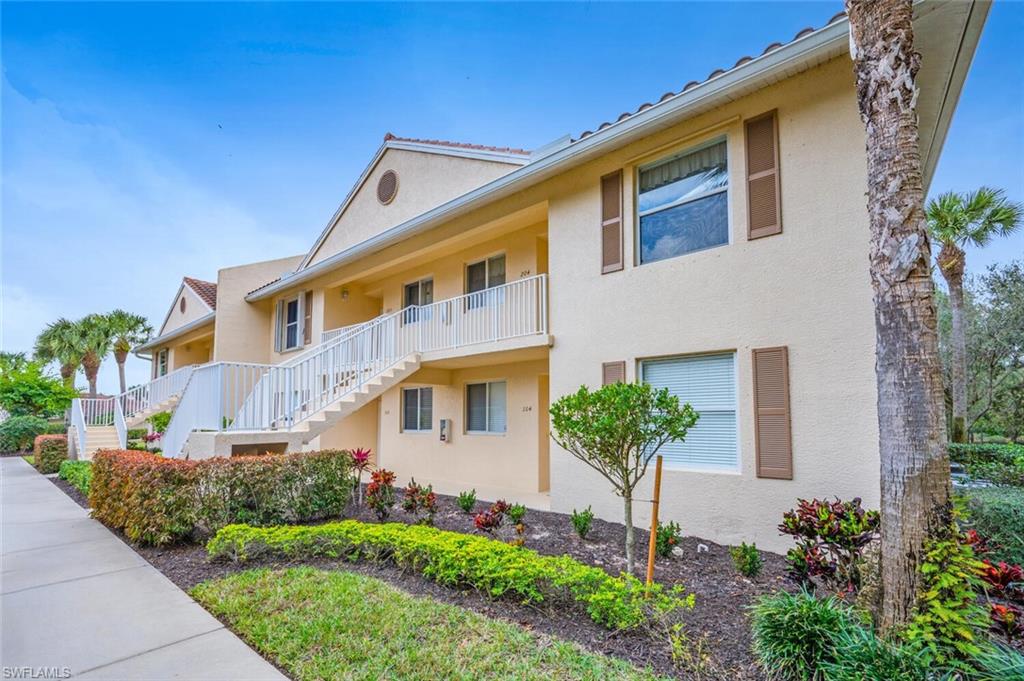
<point x="417" y="409"/>
<point x="485" y="407"/>
<point x="708" y="384"/>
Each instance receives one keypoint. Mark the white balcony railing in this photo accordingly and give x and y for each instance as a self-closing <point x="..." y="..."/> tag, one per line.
<point x="258" y="397"/>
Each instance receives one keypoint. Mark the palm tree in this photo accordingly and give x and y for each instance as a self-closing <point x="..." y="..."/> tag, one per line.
<point x="128" y="330"/>
<point x="61" y="342"/>
<point x="97" y="338"/>
<point x="915" y="481"/>
<point x="956" y="220"/>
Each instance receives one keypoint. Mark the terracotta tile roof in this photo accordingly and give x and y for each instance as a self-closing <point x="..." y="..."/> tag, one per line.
<point x="458" y="145"/>
<point x="714" y="74"/>
<point x="207" y="290"/>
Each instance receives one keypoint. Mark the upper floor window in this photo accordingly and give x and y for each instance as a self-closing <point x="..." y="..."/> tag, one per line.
<point x="417" y="294"/>
<point x="484" y="275"/>
<point x="161" y="363"/>
<point x="294" y="322"/>
<point x="682" y="203"/>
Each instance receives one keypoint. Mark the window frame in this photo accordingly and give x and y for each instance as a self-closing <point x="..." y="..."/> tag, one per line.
<point x="410" y="316"/>
<point x="283" y="323"/>
<point x="487" y="407"/>
<point x="477" y="299"/>
<point x="403" y="427"/>
<point x="638" y="214"/>
<point x="737" y="469"/>
<point x="162" y="362"/>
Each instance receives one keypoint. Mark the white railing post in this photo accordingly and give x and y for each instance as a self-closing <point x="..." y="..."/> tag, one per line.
<point x="119" y="423"/>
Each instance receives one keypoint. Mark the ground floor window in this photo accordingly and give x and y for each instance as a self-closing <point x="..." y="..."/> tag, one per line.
<point x="485" y="407"/>
<point x="417" y="408"/>
<point x="708" y="383"/>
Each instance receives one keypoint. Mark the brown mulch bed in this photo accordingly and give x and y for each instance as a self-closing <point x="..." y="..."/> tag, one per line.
<point x="720" y="616"/>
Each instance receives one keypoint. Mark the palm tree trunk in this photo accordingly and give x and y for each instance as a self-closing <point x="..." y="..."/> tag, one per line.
<point x="120" y="356"/>
<point x="915" y="482"/>
<point x="67" y="374"/>
<point x="91" y="366"/>
<point x="951" y="264"/>
<point x="627" y="499"/>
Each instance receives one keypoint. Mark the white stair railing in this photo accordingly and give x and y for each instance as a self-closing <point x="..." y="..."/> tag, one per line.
<point x="148" y="396"/>
<point x="78" y="421"/>
<point x="119" y="424"/>
<point x="271" y="397"/>
<point x="213" y="394"/>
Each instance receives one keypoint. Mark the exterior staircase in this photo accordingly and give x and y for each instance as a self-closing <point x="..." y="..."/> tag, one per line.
<point x="97" y="438"/>
<point x="139" y="418"/>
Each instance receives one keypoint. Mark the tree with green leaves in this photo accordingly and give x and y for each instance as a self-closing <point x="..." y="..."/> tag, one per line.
<point x="96" y="338"/>
<point x="128" y="330"/>
<point x="617" y="430"/>
<point x="956" y="221"/>
<point x="61" y="342"/>
<point x="26" y="390"/>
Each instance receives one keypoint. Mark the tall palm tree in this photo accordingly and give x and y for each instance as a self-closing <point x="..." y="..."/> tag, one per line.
<point x="97" y="339"/>
<point x="61" y="342"/>
<point x="128" y="330"/>
<point x="956" y="220"/>
<point x="915" y="481"/>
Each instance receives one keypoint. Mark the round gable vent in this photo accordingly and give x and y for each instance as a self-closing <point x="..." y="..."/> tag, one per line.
<point x="181" y="306"/>
<point x="387" y="187"/>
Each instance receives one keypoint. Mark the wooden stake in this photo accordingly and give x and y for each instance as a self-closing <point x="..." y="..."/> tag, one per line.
<point x="653" y="544"/>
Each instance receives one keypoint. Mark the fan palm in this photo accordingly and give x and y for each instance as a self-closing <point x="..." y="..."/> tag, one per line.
<point x="61" y="342"/>
<point x="128" y="330"/>
<point x="97" y="339"/>
<point x="956" y="220"/>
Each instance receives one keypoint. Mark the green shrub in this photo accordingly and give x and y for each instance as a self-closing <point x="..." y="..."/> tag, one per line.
<point x="48" y="452"/>
<point x="997" y="513"/>
<point x="160" y="421"/>
<point x="454" y="559"/>
<point x="793" y="633"/>
<point x="968" y="454"/>
<point x="667" y="539"/>
<point x="18" y="433"/>
<point x="77" y="474"/>
<point x="137" y="433"/>
<point x="467" y="501"/>
<point x="747" y="559"/>
<point x="56" y="428"/>
<point x="581" y="521"/>
<point x="516" y="513"/>
<point x="158" y="501"/>
<point x="948" y="619"/>
<point x="859" y="655"/>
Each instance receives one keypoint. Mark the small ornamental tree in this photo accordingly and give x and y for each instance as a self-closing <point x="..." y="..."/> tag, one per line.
<point x="617" y="430"/>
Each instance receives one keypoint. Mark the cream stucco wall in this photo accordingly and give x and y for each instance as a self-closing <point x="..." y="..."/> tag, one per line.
<point x="425" y="180"/>
<point x="507" y="461"/>
<point x="244" y="330"/>
<point x="807" y="289"/>
<point x="195" y="308"/>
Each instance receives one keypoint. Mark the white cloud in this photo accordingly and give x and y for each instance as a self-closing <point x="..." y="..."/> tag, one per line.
<point x="94" y="220"/>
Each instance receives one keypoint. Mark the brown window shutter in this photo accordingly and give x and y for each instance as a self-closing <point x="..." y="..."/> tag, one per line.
<point x="771" y="413"/>
<point x="613" y="372"/>
<point x="307" y="321"/>
<point x="611" y="222"/>
<point x="764" y="198"/>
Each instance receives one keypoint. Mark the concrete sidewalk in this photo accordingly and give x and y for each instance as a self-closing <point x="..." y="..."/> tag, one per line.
<point x="78" y="602"/>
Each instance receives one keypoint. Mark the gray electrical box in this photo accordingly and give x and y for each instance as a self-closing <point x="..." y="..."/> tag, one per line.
<point x="446" y="430"/>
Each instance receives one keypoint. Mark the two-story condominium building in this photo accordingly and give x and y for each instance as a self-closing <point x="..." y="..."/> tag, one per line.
<point x="712" y="242"/>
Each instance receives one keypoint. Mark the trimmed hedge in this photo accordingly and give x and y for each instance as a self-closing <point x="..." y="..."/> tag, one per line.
<point x="157" y="501"/>
<point x="968" y="454"/>
<point x="49" y="451"/>
<point x="456" y="559"/>
<point x="18" y="433"/>
<point x="997" y="513"/>
<point x="78" y="474"/>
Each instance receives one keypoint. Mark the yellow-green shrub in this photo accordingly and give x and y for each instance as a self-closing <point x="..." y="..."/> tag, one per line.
<point x="49" y="451"/>
<point x="456" y="559"/>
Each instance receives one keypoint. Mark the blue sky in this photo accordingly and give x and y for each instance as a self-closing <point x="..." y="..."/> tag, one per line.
<point x="143" y="142"/>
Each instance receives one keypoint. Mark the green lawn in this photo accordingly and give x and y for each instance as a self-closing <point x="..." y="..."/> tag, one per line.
<point x="320" y="624"/>
<point x="31" y="459"/>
